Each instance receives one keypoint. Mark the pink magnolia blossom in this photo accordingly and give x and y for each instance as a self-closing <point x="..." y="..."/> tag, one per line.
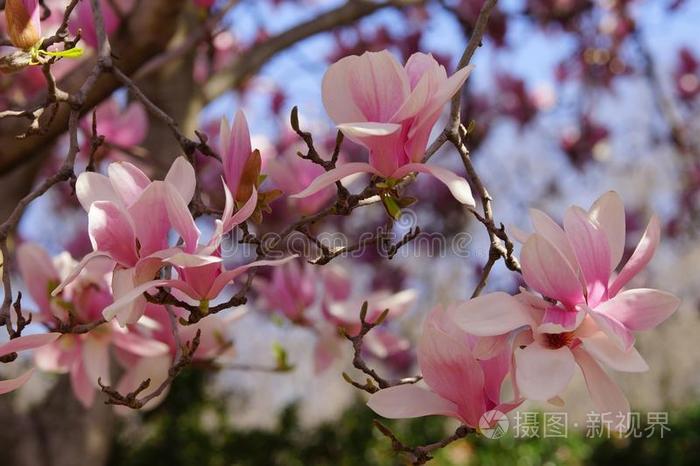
<point x="23" y="22"/>
<point x="23" y="343"/>
<point x="129" y="220"/>
<point x="290" y="291"/>
<point x="391" y="110"/>
<point x="201" y="276"/>
<point x="84" y="356"/>
<point x="459" y="383"/>
<point x="122" y="127"/>
<point x="241" y="164"/>
<point x="592" y="321"/>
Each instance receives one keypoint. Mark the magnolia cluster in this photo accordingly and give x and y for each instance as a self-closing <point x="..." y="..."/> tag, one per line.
<point x="575" y="313"/>
<point x="144" y="237"/>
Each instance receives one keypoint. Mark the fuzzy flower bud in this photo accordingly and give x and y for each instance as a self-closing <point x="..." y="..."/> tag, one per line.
<point x="23" y="23"/>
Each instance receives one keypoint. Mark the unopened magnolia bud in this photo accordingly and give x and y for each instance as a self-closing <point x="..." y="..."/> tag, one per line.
<point x="249" y="177"/>
<point x="23" y="22"/>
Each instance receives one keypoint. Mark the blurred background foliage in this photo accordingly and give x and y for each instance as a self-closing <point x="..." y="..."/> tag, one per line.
<point x="192" y="428"/>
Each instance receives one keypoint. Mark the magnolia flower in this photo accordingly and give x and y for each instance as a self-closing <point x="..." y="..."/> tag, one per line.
<point x="129" y="219"/>
<point x="391" y="110"/>
<point x="459" y="384"/>
<point x="122" y="127"/>
<point x="84" y="356"/>
<point x="592" y="320"/>
<point x="23" y="22"/>
<point x="241" y="164"/>
<point x="290" y="291"/>
<point x="16" y="345"/>
<point x="575" y="265"/>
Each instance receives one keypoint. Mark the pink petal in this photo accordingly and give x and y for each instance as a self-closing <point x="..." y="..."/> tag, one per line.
<point x="489" y="347"/>
<point x="38" y="273"/>
<point x="137" y="344"/>
<point x="448" y="89"/>
<point x="641" y="308"/>
<point x="51" y="357"/>
<point x="151" y="220"/>
<point x="490" y="315"/>
<point x="28" y="342"/>
<point x="495" y="371"/>
<point x="543" y="373"/>
<point x="181" y="176"/>
<point x="243" y="213"/>
<point x="421" y="65"/>
<point x="121" y="308"/>
<point x="180" y="217"/>
<point x="641" y="256"/>
<point x="558" y="320"/>
<point x="83" y="388"/>
<point x="128" y="181"/>
<point x="590" y="245"/>
<point x="552" y="232"/>
<point x="606" y="395"/>
<point x="546" y="270"/>
<point x="417" y="100"/>
<point x="227" y="276"/>
<point x="457" y="185"/>
<point x="383" y="141"/>
<point x="337" y="174"/>
<point x="409" y="401"/>
<point x="602" y="348"/>
<point x="372" y="87"/>
<point x="450" y="370"/>
<point x="9" y="385"/>
<point x="613" y="328"/>
<point x="91" y="187"/>
<point x="122" y="283"/>
<point x="609" y="213"/>
<point x="96" y="358"/>
<point x="112" y="231"/>
<point x="182" y="259"/>
<point x="359" y="131"/>
<point x="81" y="265"/>
<point x="236" y="149"/>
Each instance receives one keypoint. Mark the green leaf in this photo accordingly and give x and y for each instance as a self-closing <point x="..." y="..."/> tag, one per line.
<point x="392" y="207"/>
